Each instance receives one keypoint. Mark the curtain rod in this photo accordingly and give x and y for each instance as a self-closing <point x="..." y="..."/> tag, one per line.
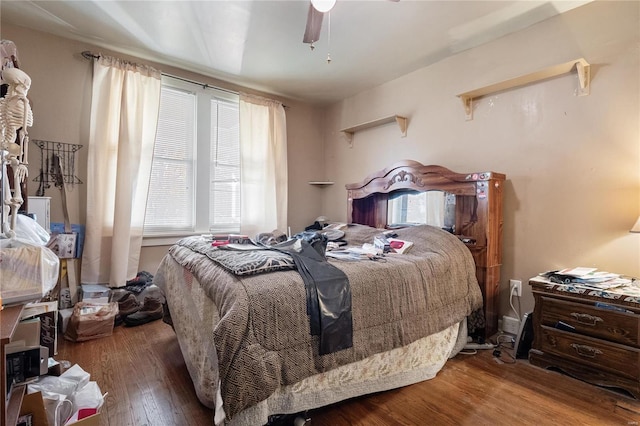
<point x="90" y="55"/>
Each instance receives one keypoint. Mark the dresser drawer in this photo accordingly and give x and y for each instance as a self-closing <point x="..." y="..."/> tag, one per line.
<point x="621" y="360"/>
<point x="620" y="327"/>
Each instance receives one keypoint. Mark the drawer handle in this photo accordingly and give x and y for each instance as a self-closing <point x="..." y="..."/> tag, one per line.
<point x="586" y="319"/>
<point x="586" y="351"/>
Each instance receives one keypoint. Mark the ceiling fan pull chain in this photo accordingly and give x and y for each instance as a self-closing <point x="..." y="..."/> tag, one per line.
<point x="329" y="37"/>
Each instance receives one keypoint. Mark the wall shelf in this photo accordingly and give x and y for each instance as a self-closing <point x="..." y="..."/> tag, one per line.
<point x="321" y="182"/>
<point x="583" y="69"/>
<point x="400" y="120"/>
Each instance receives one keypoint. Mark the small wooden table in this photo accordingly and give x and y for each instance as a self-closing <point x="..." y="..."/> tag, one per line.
<point x="590" y="334"/>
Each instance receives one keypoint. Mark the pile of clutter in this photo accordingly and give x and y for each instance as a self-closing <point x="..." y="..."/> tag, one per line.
<point x="139" y="302"/>
<point x="102" y="308"/>
<point x="69" y="397"/>
<point x="61" y="394"/>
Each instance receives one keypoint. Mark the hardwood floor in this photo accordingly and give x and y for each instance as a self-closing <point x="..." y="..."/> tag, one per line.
<point x="144" y="374"/>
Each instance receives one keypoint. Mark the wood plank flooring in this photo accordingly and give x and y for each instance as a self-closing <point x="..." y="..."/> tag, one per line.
<point x="147" y="382"/>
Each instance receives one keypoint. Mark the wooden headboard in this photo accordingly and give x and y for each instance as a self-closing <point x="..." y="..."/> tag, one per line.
<point x="478" y="215"/>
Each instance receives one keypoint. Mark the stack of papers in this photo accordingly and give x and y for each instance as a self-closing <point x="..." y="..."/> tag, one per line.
<point x="577" y="272"/>
<point x="367" y="251"/>
<point x="588" y="277"/>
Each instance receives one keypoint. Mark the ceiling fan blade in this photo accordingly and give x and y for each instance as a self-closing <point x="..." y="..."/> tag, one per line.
<point x="314" y="25"/>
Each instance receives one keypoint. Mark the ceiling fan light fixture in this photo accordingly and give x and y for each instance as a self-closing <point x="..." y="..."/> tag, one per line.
<point x="323" y="5"/>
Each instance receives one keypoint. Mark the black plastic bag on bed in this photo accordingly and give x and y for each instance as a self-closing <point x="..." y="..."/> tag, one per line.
<point x="315" y="239"/>
<point x="328" y="294"/>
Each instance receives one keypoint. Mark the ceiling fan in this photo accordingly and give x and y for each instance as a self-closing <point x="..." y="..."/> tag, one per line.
<point x="317" y="9"/>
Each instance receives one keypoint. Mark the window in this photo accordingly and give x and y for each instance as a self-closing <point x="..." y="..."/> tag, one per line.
<point x="195" y="175"/>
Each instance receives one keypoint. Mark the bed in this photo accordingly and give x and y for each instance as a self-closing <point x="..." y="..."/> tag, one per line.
<point x="244" y="330"/>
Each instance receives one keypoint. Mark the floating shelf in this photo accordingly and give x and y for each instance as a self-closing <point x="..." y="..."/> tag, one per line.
<point x="321" y="182"/>
<point x="402" y="123"/>
<point x="583" y="69"/>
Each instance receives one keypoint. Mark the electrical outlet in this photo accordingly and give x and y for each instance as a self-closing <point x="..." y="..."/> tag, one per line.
<point x="518" y="287"/>
<point x="510" y="325"/>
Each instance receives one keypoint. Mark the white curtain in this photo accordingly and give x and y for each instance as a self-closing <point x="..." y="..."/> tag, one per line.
<point x="263" y="161"/>
<point x="124" y="116"/>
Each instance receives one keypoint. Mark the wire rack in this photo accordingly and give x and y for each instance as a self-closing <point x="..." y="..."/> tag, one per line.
<point x="54" y="153"/>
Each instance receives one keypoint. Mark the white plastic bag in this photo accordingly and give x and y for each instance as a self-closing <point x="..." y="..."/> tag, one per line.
<point x="88" y="397"/>
<point x="55" y="396"/>
<point x="29" y="230"/>
<point x="29" y="271"/>
<point x="87" y="400"/>
<point x="53" y="385"/>
<point x="77" y="375"/>
<point x="57" y="407"/>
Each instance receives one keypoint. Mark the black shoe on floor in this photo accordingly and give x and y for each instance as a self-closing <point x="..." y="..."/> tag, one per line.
<point x="151" y="310"/>
<point x="127" y="305"/>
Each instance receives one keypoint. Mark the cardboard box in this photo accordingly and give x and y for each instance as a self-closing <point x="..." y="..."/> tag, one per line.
<point x="27" y="334"/>
<point x="33" y="406"/>
<point x="95" y="293"/>
<point x="78" y="230"/>
<point x="63" y="319"/>
<point x="47" y="312"/>
<point x="63" y="245"/>
<point x="65" y="301"/>
<point x="36" y="308"/>
<point x="88" y="421"/>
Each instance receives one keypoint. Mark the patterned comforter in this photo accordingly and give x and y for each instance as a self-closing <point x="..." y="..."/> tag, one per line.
<point x="262" y="339"/>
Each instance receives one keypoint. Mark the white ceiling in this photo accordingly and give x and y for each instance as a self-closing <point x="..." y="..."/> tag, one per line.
<point x="258" y="44"/>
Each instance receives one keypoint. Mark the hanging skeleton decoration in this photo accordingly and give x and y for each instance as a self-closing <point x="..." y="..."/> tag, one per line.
<point x="15" y="117"/>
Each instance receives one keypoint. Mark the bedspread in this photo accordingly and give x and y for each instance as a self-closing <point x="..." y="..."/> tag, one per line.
<point x="262" y="339"/>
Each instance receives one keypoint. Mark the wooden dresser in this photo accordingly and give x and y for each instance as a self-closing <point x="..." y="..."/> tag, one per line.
<point x="589" y="334"/>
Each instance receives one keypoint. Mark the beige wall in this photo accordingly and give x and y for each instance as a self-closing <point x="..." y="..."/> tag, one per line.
<point x="572" y="163"/>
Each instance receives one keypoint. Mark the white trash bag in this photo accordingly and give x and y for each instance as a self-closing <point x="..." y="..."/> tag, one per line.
<point x="29" y="271"/>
